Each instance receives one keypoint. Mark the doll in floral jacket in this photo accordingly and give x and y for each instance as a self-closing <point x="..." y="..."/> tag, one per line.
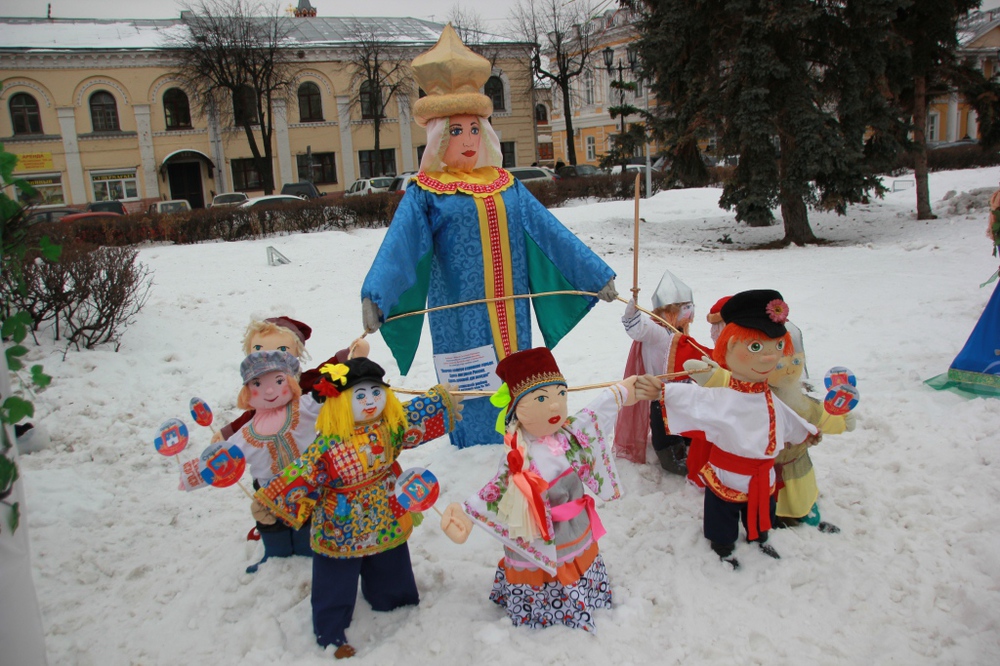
<point x="552" y="571"/>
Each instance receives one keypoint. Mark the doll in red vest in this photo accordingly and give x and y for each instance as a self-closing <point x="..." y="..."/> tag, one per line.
<point x="746" y="423"/>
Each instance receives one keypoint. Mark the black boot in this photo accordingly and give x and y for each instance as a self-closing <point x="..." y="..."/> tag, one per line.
<point x="673" y="458"/>
<point x="766" y="548"/>
<point x="725" y="553"/>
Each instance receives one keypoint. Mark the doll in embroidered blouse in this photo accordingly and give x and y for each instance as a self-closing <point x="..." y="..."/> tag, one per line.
<point x="346" y="480"/>
<point x="746" y="424"/>
<point x="552" y="571"/>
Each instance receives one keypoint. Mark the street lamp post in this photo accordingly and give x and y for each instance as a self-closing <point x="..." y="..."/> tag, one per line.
<point x="609" y="60"/>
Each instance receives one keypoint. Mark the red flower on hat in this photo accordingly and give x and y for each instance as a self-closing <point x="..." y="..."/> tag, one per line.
<point x="777" y="311"/>
<point x="325" y="388"/>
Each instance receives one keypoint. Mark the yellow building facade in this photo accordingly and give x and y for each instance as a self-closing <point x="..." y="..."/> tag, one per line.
<point x="94" y="111"/>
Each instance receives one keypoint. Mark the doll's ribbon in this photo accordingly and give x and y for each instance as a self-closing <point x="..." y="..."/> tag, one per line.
<point x="759" y="491"/>
<point x="501" y="399"/>
<point x="531" y="487"/>
<point x="571" y="510"/>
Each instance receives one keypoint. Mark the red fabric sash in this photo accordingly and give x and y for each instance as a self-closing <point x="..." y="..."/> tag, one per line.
<point x="532" y="486"/>
<point x="632" y="425"/>
<point x="571" y="510"/>
<point x="759" y="492"/>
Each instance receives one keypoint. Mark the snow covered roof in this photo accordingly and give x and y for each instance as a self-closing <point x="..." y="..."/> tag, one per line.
<point x="21" y="34"/>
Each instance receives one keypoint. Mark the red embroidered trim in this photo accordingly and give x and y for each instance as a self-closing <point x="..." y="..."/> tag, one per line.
<point x="496" y="257"/>
<point x="502" y="182"/>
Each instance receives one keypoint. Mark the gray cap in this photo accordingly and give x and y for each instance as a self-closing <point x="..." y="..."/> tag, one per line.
<point x="262" y="362"/>
<point x="671" y="290"/>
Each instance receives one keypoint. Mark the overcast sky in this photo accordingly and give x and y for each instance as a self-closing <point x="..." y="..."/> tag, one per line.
<point x="493" y="12"/>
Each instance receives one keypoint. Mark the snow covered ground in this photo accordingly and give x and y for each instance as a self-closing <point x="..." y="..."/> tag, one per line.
<point x="131" y="571"/>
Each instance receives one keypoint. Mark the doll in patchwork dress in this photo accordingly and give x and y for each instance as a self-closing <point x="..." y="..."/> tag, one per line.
<point x="552" y="571"/>
<point x="345" y="479"/>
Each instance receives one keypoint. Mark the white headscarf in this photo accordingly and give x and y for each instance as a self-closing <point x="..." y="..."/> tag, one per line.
<point x="437" y="144"/>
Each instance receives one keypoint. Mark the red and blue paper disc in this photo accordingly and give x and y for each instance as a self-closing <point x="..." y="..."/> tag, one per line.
<point x="417" y="489"/>
<point x="222" y="465"/>
<point x="841" y="399"/>
<point x="201" y="412"/>
<point x="171" y="438"/>
<point x="839" y="375"/>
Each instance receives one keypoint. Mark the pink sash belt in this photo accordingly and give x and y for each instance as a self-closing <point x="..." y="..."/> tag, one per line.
<point x="571" y="510"/>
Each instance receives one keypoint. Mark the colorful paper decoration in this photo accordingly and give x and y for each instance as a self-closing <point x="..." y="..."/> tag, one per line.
<point x="839" y="375"/>
<point x="171" y="438"/>
<point x="222" y="465"/>
<point x="417" y="489"/>
<point x="841" y="399"/>
<point x="201" y="412"/>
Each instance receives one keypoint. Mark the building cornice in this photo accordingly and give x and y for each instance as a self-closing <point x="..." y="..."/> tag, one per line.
<point x="84" y="59"/>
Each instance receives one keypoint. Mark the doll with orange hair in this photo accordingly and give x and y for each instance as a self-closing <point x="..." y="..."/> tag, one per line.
<point x="747" y="425"/>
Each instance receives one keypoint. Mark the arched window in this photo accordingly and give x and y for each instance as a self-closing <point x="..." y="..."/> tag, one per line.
<point x="541" y="115"/>
<point x="310" y="103"/>
<point x="245" y="106"/>
<point x="176" y="109"/>
<point x="371" y="100"/>
<point x="494" y="90"/>
<point x="104" y="112"/>
<point x="24" y="114"/>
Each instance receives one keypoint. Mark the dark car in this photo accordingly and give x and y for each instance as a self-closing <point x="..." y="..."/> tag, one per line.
<point x="579" y="170"/>
<point x="43" y="215"/>
<point x="303" y="189"/>
<point x="90" y="215"/>
<point x="107" y="207"/>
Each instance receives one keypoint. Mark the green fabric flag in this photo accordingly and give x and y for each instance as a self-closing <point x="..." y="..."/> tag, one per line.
<point x="403" y="335"/>
<point x="556" y="315"/>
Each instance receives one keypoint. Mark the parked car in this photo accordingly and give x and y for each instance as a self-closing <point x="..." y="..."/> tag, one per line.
<point x="90" y="215"/>
<point x="580" y="170"/>
<point x="303" y="189"/>
<point x="369" y="186"/>
<point x="42" y="215"/>
<point x="631" y="168"/>
<point x="533" y="174"/>
<point x="169" y="206"/>
<point x="400" y="182"/>
<point x="271" y="201"/>
<point x="228" y="199"/>
<point x="107" y="207"/>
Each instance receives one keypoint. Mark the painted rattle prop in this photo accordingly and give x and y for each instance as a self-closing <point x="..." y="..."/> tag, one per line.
<point x="417" y="489"/>
<point x="842" y="394"/>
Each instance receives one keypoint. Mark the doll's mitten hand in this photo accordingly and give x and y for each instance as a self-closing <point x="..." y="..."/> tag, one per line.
<point x="261" y="514"/>
<point x="216" y="437"/>
<point x="700" y="370"/>
<point x="371" y="315"/>
<point x="455" y="524"/>
<point x="456" y="400"/>
<point x="647" y="387"/>
<point x="850" y="421"/>
<point x="608" y="292"/>
<point x="359" y="348"/>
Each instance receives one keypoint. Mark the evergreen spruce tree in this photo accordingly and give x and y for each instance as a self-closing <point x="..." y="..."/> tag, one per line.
<point x="795" y="88"/>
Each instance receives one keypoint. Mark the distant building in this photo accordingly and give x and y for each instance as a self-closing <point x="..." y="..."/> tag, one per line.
<point x="94" y="112"/>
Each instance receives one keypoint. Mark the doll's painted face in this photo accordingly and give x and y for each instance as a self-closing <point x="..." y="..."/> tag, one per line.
<point x="788" y="373"/>
<point x="463" y="143"/>
<point x="367" y="401"/>
<point x="542" y="411"/>
<point x="753" y="360"/>
<point x="280" y="340"/>
<point x="269" y="391"/>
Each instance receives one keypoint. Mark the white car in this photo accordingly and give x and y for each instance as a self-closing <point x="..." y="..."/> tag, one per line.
<point x="631" y="168"/>
<point x="534" y="174"/>
<point x="369" y="186"/>
<point x="272" y="201"/>
<point x="228" y="199"/>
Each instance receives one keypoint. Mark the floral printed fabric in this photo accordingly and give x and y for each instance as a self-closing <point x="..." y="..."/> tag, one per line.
<point x="553" y="603"/>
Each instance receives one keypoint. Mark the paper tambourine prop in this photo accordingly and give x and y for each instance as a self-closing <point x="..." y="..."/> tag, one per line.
<point x="840" y="399"/>
<point x="838" y="375"/>
<point x="222" y="466"/>
<point x="172" y="437"/>
<point x="417" y="489"/>
<point x="201" y="412"/>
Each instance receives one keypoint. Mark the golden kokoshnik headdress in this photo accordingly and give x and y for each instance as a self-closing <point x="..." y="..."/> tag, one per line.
<point x="451" y="75"/>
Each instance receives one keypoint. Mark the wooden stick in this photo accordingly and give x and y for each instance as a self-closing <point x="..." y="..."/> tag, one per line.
<point x="635" y="244"/>
<point x="582" y="387"/>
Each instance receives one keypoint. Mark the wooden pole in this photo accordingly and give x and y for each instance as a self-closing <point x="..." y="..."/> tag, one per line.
<point x="635" y="244"/>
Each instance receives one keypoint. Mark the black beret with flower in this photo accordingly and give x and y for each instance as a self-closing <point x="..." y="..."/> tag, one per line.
<point x="760" y="309"/>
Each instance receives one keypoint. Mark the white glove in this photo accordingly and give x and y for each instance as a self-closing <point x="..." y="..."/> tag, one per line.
<point x="371" y="315"/>
<point x="700" y="370"/>
<point x="608" y="292"/>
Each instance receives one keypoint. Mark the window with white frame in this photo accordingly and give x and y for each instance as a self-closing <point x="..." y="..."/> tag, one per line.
<point x="48" y="187"/>
<point x="591" y="148"/>
<point x="589" y="95"/>
<point x="114" y="185"/>
<point x="933" y="128"/>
